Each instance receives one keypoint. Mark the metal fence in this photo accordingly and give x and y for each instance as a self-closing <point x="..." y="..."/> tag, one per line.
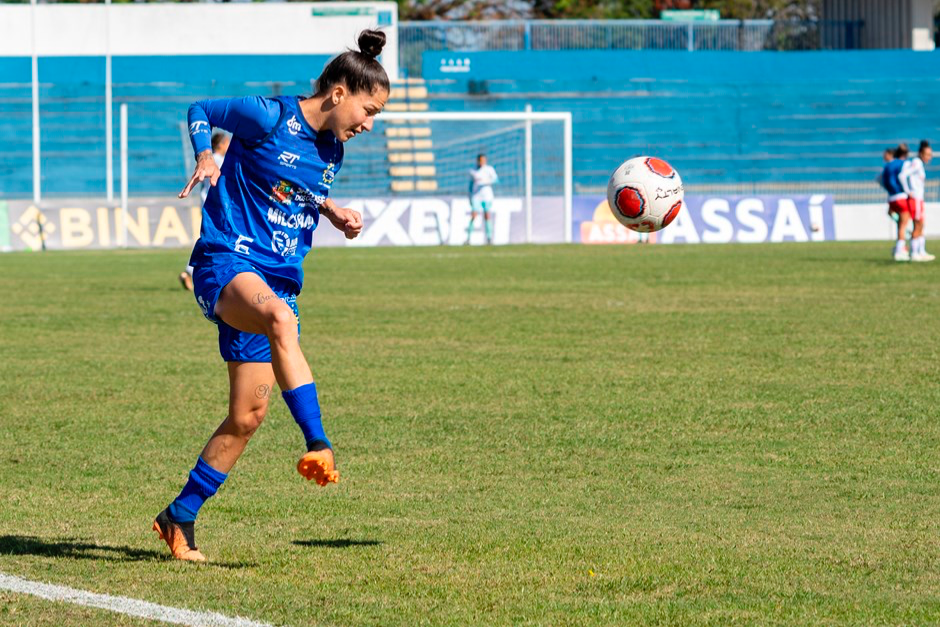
<point x="418" y="37"/>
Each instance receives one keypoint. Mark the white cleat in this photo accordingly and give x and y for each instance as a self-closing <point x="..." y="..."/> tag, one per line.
<point x="902" y="255"/>
<point x="923" y="257"/>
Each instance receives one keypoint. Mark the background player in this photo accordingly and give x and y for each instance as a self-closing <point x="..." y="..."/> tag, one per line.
<point x="482" y="179"/>
<point x="913" y="179"/>
<point x="220" y="141"/>
<point x="897" y="199"/>
<point x="257" y="226"/>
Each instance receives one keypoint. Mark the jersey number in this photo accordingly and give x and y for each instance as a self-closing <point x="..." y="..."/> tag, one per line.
<point x="241" y="247"/>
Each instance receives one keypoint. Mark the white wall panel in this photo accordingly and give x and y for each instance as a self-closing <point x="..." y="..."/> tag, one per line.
<point x="196" y="29"/>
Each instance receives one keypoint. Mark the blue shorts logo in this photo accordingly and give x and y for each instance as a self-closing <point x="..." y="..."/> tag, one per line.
<point x="203" y="305"/>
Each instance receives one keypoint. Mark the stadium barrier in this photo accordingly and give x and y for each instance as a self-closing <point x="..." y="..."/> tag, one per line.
<point x="416" y="38"/>
<point x="442" y="220"/>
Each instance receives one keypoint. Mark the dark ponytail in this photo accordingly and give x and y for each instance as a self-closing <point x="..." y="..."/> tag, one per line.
<point x="359" y="70"/>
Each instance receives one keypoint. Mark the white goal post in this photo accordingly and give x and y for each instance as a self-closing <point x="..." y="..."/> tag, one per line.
<point x="449" y="152"/>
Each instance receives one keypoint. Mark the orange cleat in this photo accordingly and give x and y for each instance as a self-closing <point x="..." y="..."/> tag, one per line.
<point x="179" y="537"/>
<point x="319" y="465"/>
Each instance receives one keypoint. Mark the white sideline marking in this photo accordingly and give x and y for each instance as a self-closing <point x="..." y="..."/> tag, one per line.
<point x="122" y="605"/>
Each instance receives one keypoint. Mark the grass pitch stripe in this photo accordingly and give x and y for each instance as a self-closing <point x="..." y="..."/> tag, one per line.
<point x="122" y="605"/>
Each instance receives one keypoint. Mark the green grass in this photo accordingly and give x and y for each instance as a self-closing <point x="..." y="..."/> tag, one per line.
<point x="527" y="435"/>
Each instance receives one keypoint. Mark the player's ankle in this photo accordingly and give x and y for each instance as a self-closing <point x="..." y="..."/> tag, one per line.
<point x="319" y="445"/>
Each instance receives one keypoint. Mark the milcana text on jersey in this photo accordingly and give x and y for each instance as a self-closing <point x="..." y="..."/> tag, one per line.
<point x="291" y="221"/>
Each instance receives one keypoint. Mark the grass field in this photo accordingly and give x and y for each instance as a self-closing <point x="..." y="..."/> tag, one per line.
<point x="527" y="435"/>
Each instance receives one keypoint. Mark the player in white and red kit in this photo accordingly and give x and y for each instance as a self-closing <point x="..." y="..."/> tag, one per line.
<point x="913" y="179"/>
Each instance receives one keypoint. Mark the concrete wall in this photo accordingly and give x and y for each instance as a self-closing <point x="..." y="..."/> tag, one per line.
<point x="301" y="28"/>
<point x="888" y="23"/>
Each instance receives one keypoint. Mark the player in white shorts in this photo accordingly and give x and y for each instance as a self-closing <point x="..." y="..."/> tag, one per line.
<point x="913" y="179"/>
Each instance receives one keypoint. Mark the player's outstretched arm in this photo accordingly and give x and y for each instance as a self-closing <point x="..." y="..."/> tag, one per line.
<point x="348" y="221"/>
<point x="249" y="119"/>
<point x="206" y="168"/>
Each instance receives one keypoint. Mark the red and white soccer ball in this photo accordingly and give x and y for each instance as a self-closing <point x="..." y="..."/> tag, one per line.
<point x="645" y="194"/>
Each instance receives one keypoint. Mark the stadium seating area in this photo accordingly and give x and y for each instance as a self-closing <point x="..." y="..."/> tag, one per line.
<point x="810" y="135"/>
<point x="796" y="134"/>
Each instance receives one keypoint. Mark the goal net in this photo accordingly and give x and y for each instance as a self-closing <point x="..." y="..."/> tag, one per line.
<point x="410" y="177"/>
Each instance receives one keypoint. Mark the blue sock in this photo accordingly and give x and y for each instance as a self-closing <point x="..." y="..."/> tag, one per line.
<point x="305" y="408"/>
<point x="204" y="481"/>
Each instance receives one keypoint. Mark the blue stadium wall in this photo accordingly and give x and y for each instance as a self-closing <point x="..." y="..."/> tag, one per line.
<point x="776" y="118"/>
<point x="158" y="91"/>
<point x="811" y="120"/>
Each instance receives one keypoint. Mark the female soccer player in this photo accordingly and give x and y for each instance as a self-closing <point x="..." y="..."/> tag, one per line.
<point x="482" y="180"/>
<point x="257" y="226"/>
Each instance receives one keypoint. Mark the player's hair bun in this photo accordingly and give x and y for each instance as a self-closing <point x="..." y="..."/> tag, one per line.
<point x="371" y="42"/>
<point x="360" y="71"/>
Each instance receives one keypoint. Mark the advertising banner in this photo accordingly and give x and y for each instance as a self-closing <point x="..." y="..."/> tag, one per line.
<point x="172" y="223"/>
<point x="716" y="219"/>
<point x="443" y="220"/>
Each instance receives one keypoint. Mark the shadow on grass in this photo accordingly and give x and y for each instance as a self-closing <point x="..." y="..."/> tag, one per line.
<point x="343" y="543"/>
<point x="78" y="549"/>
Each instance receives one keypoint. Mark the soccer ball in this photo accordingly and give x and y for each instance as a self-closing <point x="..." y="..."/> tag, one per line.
<point x="645" y="194"/>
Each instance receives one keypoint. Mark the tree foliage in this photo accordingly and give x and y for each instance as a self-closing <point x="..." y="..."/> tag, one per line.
<point x="605" y="9"/>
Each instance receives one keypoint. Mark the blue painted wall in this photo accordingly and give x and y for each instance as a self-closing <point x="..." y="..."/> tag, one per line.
<point x="157" y="90"/>
<point x="670" y="65"/>
<point x="180" y="69"/>
<point x="719" y="117"/>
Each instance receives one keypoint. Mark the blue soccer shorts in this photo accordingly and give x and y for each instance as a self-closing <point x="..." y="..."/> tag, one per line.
<point x="235" y="345"/>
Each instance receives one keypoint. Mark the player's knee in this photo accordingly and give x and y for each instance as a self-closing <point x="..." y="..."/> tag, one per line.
<point x="281" y="324"/>
<point x="247" y="422"/>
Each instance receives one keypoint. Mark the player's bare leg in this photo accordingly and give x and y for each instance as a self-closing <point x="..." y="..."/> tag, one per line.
<point x="918" y="249"/>
<point x="901" y="252"/>
<point x="250" y="386"/>
<point x="186" y="281"/>
<point x="249" y="390"/>
<point x="249" y="304"/>
<point x="473" y="217"/>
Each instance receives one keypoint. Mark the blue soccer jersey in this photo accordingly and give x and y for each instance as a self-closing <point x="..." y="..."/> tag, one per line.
<point x="276" y="174"/>
<point x="890" y="179"/>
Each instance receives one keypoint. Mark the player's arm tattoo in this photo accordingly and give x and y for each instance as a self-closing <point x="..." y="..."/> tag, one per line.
<point x="327" y="207"/>
<point x="263" y="391"/>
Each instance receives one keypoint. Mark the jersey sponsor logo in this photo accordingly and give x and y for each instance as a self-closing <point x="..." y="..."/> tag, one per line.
<point x="199" y="126"/>
<point x="282" y="193"/>
<point x="329" y="174"/>
<point x="304" y="197"/>
<point x="288" y="159"/>
<point x="293" y="126"/>
<point x="283" y="244"/>
<point x="291" y="221"/>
